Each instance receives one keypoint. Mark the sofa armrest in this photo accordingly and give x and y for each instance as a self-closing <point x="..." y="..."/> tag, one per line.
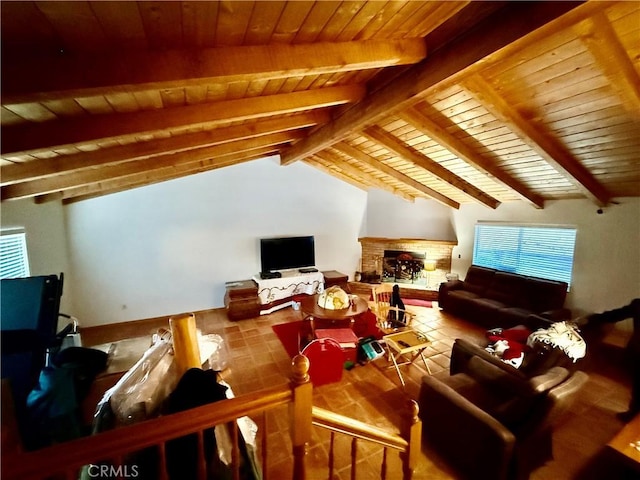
<point x="445" y="288"/>
<point x="463" y="351"/>
<point x="451" y="285"/>
<point x="476" y="441"/>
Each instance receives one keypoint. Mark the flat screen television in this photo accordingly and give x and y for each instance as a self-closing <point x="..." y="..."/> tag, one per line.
<point x="287" y="252"/>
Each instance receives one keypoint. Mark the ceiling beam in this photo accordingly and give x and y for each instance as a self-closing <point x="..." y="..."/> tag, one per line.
<point x="603" y="43"/>
<point x="410" y="154"/>
<point x="484" y="43"/>
<point x="387" y="170"/>
<point x="316" y="163"/>
<point x="144" y="179"/>
<point x="346" y="167"/>
<point x="82" y="75"/>
<point x="543" y="143"/>
<point x="468" y="154"/>
<point x="109" y="172"/>
<point x="35" y="137"/>
<point x="33" y="170"/>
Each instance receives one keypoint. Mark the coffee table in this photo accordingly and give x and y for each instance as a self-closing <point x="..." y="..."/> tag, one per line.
<point x="405" y="343"/>
<point x="327" y="318"/>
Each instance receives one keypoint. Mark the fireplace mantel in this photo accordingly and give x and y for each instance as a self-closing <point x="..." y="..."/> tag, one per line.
<point x="439" y="251"/>
<point x="425" y="241"/>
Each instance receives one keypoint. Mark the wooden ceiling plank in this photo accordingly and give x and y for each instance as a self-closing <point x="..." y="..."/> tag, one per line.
<point x="233" y="19"/>
<point x="315" y="163"/>
<point x="539" y="141"/>
<point x="33" y="170"/>
<point x="34" y="137"/>
<point x="315" y="21"/>
<point x="262" y="23"/>
<point x="80" y="30"/>
<point x="412" y="155"/>
<point x="468" y="154"/>
<point x="348" y="169"/>
<point x="122" y="23"/>
<point x="95" y="75"/>
<point x="144" y="179"/>
<point x="603" y="43"/>
<point x="483" y="44"/>
<point x="199" y="21"/>
<point x="162" y="23"/>
<point x="289" y="22"/>
<point x="370" y="179"/>
<point x="362" y="157"/>
<point x="75" y="179"/>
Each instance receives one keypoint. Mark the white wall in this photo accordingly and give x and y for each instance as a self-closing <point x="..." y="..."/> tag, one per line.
<point x="169" y="248"/>
<point x="44" y="226"/>
<point x="391" y="216"/>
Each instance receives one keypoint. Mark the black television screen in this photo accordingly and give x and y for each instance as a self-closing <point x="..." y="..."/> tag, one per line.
<point x="287" y="252"/>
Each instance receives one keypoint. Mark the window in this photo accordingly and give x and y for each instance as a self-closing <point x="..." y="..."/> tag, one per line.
<point x="544" y="251"/>
<point x="14" y="262"/>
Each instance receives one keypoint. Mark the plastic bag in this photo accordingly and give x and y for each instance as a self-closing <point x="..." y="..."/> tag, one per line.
<point x="213" y="351"/>
<point x="141" y="391"/>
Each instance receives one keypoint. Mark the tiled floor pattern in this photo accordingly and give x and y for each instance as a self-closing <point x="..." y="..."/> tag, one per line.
<point x="372" y="393"/>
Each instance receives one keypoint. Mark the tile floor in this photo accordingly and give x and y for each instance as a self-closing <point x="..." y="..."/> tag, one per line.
<point x="372" y="393"/>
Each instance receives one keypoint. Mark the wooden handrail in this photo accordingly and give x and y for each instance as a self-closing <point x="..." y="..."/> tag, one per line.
<point x="114" y="445"/>
<point x="355" y="428"/>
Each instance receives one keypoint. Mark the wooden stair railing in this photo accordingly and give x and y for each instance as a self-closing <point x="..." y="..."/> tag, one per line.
<point x="67" y="459"/>
<point x="407" y="443"/>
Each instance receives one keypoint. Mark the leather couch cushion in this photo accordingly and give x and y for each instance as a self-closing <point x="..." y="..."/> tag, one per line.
<point x="477" y="279"/>
<point x="510" y="289"/>
<point x="463" y="295"/>
<point x="546" y="294"/>
<point x="505" y="397"/>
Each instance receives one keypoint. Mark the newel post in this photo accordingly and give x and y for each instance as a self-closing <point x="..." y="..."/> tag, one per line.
<point x="300" y="415"/>
<point x="412" y="433"/>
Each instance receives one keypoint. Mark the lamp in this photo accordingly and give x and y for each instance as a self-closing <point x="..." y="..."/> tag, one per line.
<point x="429" y="266"/>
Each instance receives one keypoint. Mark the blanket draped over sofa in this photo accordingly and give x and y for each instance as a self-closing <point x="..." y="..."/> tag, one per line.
<point x="493" y="298"/>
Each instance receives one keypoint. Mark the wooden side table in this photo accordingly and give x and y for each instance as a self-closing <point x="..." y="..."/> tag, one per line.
<point x="241" y="299"/>
<point x="333" y="277"/>
<point x="407" y="342"/>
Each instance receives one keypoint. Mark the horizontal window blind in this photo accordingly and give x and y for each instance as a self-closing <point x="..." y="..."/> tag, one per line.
<point x="14" y="262"/>
<point x="538" y="251"/>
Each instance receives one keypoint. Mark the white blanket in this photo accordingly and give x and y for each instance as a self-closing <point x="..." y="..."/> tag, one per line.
<point x="562" y="335"/>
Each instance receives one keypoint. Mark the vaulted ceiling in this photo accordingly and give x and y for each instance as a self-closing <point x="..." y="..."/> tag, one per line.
<point x="456" y="101"/>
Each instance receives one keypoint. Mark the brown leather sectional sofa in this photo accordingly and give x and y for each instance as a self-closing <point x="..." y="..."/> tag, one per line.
<point x="491" y="420"/>
<point x="493" y="298"/>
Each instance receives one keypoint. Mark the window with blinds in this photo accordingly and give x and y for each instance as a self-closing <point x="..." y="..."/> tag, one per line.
<point x="544" y="251"/>
<point x="14" y="262"/>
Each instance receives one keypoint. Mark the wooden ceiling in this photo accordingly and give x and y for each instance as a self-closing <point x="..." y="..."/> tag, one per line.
<point x="456" y="101"/>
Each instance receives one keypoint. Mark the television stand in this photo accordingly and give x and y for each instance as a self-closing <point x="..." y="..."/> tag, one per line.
<point x="242" y="300"/>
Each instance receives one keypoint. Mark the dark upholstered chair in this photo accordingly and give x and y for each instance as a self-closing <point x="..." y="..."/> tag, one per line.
<point x="491" y="423"/>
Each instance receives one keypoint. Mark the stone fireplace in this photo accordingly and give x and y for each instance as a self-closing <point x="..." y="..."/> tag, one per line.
<point x="412" y="263"/>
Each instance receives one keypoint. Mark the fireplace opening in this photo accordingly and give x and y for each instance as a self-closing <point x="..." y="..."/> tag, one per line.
<point x="399" y="266"/>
